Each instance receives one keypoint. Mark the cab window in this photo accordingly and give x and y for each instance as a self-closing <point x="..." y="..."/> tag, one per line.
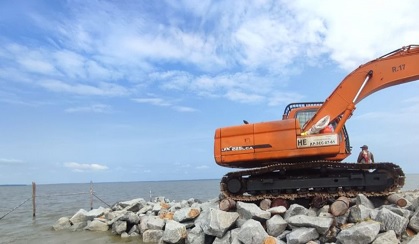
<point x="305" y="115"/>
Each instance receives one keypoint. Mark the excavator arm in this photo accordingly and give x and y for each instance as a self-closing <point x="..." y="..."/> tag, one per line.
<point x="397" y="67"/>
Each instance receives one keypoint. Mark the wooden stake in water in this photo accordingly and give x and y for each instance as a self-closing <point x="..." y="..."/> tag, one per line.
<point x="33" y="199"/>
<point x="91" y="195"/>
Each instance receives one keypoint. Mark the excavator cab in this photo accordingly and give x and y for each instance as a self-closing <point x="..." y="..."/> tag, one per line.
<point x="303" y="112"/>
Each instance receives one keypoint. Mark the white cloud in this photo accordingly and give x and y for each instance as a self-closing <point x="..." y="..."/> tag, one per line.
<point x="164" y="103"/>
<point x="351" y="40"/>
<point x="102" y="89"/>
<point x="153" y="101"/>
<point x="228" y="42"/>
<point x="95" y="108"/>
<point x="184" y="109"/>
<point x="78" y="167"/>
<point x="10" y="161"/>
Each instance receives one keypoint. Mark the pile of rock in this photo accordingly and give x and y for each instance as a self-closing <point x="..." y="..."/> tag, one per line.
<point x="191" y="221"/>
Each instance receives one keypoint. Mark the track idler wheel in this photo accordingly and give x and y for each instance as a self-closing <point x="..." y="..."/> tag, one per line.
<point x="235" y="186"/>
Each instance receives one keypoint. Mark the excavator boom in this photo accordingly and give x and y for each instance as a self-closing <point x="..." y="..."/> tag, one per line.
<point x="397" y="67"/>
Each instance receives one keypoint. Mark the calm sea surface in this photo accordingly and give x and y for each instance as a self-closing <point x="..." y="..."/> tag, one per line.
<point x="55" y="201"/>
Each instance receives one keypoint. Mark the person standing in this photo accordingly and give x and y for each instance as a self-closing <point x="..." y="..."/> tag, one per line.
<point x="365" y="156"/>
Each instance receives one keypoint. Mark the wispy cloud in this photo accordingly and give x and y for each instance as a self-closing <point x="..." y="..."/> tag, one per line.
<point x="95" y="108"/>
<point x="153" y="101"/>
<point x="164" y="103"/>
<point x="233" y="48"/>
<point x="101" y="89"/>
<point x="184" y="109"/>
<point x="80" y="167"/>
<point x="10" y="161"/>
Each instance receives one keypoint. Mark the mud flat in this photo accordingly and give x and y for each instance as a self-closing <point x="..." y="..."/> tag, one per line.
<point x="378" y="220"/>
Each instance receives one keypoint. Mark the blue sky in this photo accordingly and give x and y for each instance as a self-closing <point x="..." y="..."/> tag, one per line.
<point x="134" y="90"/>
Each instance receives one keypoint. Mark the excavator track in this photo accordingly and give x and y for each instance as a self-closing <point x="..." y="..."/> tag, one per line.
<point x="327" y="179"/>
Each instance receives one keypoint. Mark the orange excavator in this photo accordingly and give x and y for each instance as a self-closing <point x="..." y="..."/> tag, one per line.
<point x="300" y="156"/>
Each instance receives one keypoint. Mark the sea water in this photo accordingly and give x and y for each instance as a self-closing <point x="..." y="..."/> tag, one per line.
<point x="59" y="200"/>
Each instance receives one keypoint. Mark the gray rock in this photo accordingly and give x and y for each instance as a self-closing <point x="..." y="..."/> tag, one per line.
<point x="186" y="214"/>
<point x="114" y="216"/>
<point x="218" y="222"/>
<point x="414" y="200"/>
<point x="192" y="201"/>
<point x="414" y="240"/>
<point x="125" y="235"/>
<point x="206" y="206"/>
<point x="295" y="209"/>
<point x="302" y="235"/>
<point x="223" y="240"/>
<point x="161" y="199"/>
<point x="414" y="221"/>
<point x="284" y="235"/>
<point x="155" y="223"/>
<point x="130" y="217"/>
<point x="374" y="213"/>
<point x="330" y="236"/>
<point x="322" y="225"/>
<point x="392" y="221"/>
<point x="277" y="210"/>
<point x="251" y="211"/>
<point x="152" y="236"/>
<point x="398" y="210"/>
<point x="184" y="204"/>
<point x="240" y="221"/>
<point x="78" y="226"/>
<point x="134" y="229"/>
<point x="132" y="202"/>
<point x="97" y="225"/>
<point x="388" y="237"/>
<point x="362" y="233"/>
<point x="80" y="216"/>
<point x="196" y="236"/>
<point x="358" y="213"/>
<point x="189" y="224"/>
<point x="62" y="223"/>
<point x="361" y="199"/>
<point x="343" y="219"/>
<point x="143" y="223"/>
<point x="311" y="212"/>
<point x="174" y="232"/>
<point x="276" y="225"/>
<point x="324" y="209"/>
<point x="145" y="209"/>
<point x="119" y="227"/>
<point x="326" y="215"/>
<point x="235" y="236"/>
<point x="136" y="206"/>
<point x="324" y="212"/>
<point x="175" y="207"/>
<point x="156" y="207"/>
<point x="94" y="213"/>
<point x="203" y="217"/>
<point x="252" y="232"/>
